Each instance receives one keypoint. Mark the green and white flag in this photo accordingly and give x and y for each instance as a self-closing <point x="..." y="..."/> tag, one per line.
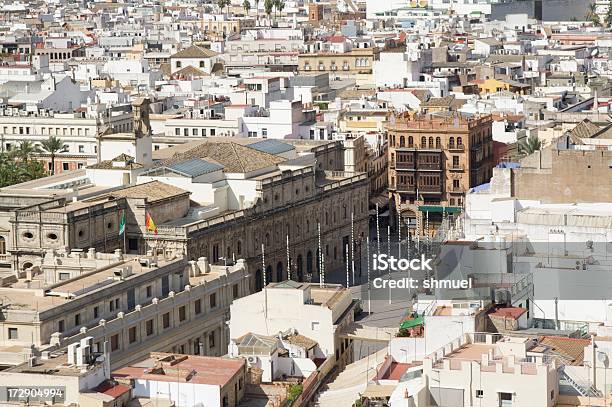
<point x="122" y="224"/>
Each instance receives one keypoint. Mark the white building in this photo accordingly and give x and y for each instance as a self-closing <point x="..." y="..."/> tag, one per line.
<point x="316" y="312"/>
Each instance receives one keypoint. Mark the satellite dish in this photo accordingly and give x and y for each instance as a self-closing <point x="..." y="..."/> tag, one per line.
<point x="595" y="52"/>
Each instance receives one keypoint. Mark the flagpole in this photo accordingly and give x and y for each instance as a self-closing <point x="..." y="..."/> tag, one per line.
<point x="288" y="260"/>
<point x="124" y="232"/>
<point x="353" y="245"/>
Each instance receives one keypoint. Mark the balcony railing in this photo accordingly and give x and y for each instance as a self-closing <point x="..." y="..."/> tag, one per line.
<point x="457" y="167"/>
<point x="456" y="147"/>
<point x="428" y="166"/>
<point x="404" y="165"/>
<point x="430" y="189"/>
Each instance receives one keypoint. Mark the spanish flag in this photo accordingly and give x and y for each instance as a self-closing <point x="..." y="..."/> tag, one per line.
<point x="150" y="224"/>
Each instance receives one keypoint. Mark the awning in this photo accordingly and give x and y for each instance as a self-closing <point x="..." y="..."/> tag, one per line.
<point x="440" y="209"/>
<point x="378" y="391"/>
<point x="381" y="199"/>
<point x="410" y="323"/>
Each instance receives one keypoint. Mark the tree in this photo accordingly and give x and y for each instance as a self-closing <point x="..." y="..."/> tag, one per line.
<point x="54" y="145"/>
<point x="608" y="18"/>
<point x="246" y="5"/>
<point x="592" y="15"/>
<point x="257" y="9"/>
<point x="529" y="146"/>
<point x="26" y="150"/>
<point x="223" y="3"/>
<point x="14" y="170"/>
<point x="268" y="6"/>
<point x="279" y="5"/>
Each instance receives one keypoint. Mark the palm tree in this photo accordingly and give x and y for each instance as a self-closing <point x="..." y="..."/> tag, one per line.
<point x="53" y="145"/>
<point x="529" y="146"/>
<point x="592" y="15"/>
<point x="268" y="6"/>
<point x="223" y="3"/>
<point x="608" y="18"/>
<point x="280" y="5"/>
<point x="26" y="150"/>
<point x="246" y="5"/>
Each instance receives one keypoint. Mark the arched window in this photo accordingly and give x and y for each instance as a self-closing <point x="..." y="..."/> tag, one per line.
<point x="451" y="142"/>
<point x="410" y="141"/>
<point x="258" y="280"/>
<point x="2" y="245"/>
<point x="402" y="141"/>
<point x="309" y="262"/>
<point x="239" y="248"/>
<point x="431" y="142"/>
<point x="279" y="272"/>
<point x="300" y="268"/>
<point x="438" y="142"/>
<point x="459" y="141"/>
<point x="268" y="274"/>
<point x="423" y="142"/>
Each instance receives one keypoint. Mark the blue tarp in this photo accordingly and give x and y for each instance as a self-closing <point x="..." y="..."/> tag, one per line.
<point x="509" y="165"/>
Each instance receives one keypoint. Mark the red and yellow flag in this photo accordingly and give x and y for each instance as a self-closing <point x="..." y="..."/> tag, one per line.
<point x="150" y="224"/>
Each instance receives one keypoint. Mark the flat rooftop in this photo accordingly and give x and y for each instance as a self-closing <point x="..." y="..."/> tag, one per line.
<point x="168" y="367"/>
<point x="26" y="296"/>
<point x="56" y="365"/>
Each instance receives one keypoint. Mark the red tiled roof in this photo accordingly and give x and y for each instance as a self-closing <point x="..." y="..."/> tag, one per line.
<point x="113" y="390"/>
<point x="337" y="39"/>
<point x="512" y="312"/>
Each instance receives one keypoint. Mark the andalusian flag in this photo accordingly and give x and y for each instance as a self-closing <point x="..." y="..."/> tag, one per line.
<point x="122" y="224"/>
<point x="150" y="224"/>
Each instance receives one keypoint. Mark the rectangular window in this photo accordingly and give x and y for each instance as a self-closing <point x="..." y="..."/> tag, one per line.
<point x="197" y="305"/>
<point x="182" y="315"/>
<point x="212" y="132"/>
<point x="149" y="327"/>
<point x="132" y="334"/>
<point x="235" y="291"/>
<point x="96" y="312"/>
<point x="114" y="342"/>
<point x="12" y="333"/>
<point x="64" y="276"/>
<point x="211" y="340"/>
<point x="111" y="305"/>
<point x="149" y="291"/>
<point x="81" y="149"/>
<point x="77" y="320"/>
<point x="177" y="132"/>
<point x="194" y="132"/>
<point x="213" y="300"/>
<point x="166" y="320"/>
<point x="65" y="166"/>
<point x="61" y="326"/>
<point x="479" y="394"/>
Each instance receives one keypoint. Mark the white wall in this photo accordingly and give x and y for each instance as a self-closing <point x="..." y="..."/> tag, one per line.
<point x="182" y="394"/>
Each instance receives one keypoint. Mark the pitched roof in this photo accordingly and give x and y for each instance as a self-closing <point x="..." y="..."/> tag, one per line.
<point x="115" y="163"/>
<point x="154" y="191"/>
<point x="232" y="156"/>
<point x="571" y="349"/>
<point x="189" y="72"/>
<point x="271" y="146"/>
<point x="194" y="51"/>
<point x="195" y="167"/>
<point x="585" y="129"/>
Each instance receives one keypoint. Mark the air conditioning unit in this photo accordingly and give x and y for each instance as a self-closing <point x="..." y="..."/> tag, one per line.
<point x="252" y="360"/>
